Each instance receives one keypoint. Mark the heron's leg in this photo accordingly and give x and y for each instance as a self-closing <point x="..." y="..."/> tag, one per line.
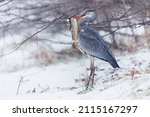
<point x="92" y="73"/>
<point x="92" y="70"/>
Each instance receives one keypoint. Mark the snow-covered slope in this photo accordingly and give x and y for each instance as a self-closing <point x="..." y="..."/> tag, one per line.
<point x="66" y="80"/>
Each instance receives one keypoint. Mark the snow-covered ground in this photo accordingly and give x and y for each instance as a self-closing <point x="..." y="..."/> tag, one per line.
<point x="22" y="78"/>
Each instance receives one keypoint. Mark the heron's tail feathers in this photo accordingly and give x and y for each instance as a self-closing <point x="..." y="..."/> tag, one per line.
<point x="111" y="60"/>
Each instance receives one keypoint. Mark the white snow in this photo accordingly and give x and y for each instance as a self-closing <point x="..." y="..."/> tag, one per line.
<point x="63" y="80"/>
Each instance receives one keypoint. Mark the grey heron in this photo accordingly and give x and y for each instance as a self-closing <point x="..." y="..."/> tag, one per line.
<point x="88" y="41"/>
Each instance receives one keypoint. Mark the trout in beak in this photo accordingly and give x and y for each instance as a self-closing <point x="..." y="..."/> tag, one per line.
<point x="73" y="26"/>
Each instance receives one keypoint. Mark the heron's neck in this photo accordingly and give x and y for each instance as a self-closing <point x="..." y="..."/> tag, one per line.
<point x="82" y="24"/>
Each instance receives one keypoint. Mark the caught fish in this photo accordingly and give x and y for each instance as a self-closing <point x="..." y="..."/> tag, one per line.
<point x="74" y="28"/>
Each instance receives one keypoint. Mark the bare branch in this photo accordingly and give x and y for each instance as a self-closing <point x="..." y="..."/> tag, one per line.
<point x="24" y="41"/>
<point x="5" y="3"/>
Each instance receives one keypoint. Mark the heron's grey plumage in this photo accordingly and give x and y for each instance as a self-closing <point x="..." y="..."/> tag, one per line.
<point x="91" y="42"/>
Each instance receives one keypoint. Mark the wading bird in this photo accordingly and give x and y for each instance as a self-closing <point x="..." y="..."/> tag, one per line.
<point x="88" y="41"/>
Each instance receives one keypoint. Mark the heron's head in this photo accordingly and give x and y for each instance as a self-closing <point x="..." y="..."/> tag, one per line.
<point x="86" y="17"/>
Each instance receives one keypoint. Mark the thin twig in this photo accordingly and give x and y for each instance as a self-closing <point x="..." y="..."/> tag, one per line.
<point x="20" y="82"/>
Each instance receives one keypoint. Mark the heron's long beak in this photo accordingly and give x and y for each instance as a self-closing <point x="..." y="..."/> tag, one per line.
<point x="74" y="25"/>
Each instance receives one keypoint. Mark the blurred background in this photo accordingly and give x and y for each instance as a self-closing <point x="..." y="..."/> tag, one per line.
<point x="42" y="25"/>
